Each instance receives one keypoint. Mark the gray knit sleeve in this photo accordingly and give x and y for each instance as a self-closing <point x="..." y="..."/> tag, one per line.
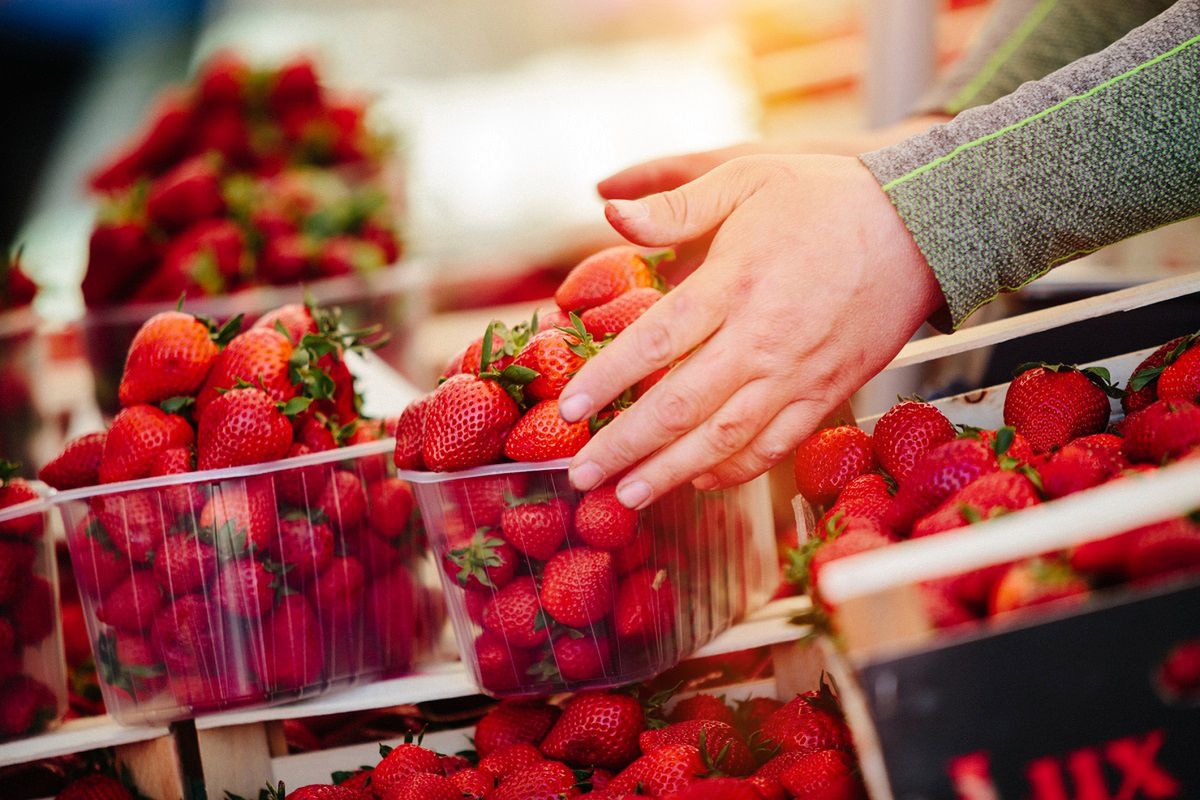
<point x="1024" y="40"/>
<point x="1100" y="150"/>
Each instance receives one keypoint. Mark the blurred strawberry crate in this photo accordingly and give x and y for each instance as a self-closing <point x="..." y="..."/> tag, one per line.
<point x="1095" y="696"/>
<point x="253" y="585"/>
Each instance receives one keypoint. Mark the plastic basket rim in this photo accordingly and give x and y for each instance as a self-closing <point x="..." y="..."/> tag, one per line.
<point x="379" y="447"/>
<point x="503" y="468"/>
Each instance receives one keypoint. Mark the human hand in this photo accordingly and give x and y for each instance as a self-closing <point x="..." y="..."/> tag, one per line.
<point x="811" y="285"/>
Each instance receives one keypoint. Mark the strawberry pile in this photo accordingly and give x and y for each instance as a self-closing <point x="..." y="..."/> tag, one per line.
<point x="614" y="745"/>
<point x="245" y="177"/>
<point x="920" y="475"/>
<point x="497" y="400"/>
<point x="28" y="609"/>
<point x="205" y="594"/>
<point x="16" y="287"/>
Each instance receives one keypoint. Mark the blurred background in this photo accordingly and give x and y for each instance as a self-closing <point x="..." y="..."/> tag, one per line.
<point x="501" y="118"/>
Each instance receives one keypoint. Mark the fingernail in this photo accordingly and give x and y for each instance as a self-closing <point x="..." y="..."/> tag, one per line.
<point x="706" y="482"/>
<point x="633" y="494"/>
<point x="575" y="407"/>
<point x="586" y="476"/>
<point x="630" y="209"/>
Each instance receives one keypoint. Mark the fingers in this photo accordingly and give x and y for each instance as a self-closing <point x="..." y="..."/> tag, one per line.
<point x="676" y="405"/>
<point x="688" y="212"/>
<point x="777" y="441"/>
<point x="670" y="328"/>
<point x="664" y="174"/>
<point x="725" y="433"/>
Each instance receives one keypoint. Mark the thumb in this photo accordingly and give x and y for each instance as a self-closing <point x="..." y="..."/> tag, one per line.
<point x="687" y="212"/>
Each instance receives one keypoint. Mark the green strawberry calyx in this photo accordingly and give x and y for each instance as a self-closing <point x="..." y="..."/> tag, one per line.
<point x="1147" y="375"/>
<point x="475" y="559"/>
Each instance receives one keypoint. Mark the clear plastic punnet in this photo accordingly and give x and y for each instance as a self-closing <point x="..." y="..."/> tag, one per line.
<point x="33" y="673"/>
<point x="552" y="590"/>
<point x="253" y="585"/>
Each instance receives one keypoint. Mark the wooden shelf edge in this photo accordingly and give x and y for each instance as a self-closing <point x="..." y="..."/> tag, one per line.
<point x="75" y="736"/>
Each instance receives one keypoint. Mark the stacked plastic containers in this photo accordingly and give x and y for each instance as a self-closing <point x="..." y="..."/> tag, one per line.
<point x="552" y="590"/>
<point x="251" y="586"/>
<point x="33" y="678"/>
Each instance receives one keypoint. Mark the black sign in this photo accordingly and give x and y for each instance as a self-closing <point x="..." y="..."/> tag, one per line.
<point x="1074" y="706"/>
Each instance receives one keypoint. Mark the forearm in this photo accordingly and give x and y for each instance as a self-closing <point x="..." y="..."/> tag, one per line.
<point x="1025" y="40"/>
<point x="1098" y="151"/>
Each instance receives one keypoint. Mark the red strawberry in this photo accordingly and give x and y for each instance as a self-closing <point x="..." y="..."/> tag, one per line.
<point x="515" y="615"/>
<point x="537" y="529"/>
<point x="865" y="497"/>
<point x="402" y="761"/>
<point x="204" y="259"/>
<point x="1181" y="669"/>
<point x="246" y="588"/>
<point x="1102" y="442"/>
<point x="1077" y="467"/>
<point x="634" y="554"/>
<point x="619" y="313"/>
<point x="391" y="507"/>
<point x="906" y="433"/>
<point x="1143" y="382"/>
<point x="472" y="784"/>
<point x="13" y="491"/>
<point x="502" y="668"/>
<point x="481" y="561"/>
<point x="259" y="357"/>
<point x="1163" y="431"/>
<point x="481" y="501"/>
<point x="513" y="722"/>
<point x="807" y="723"/>
<point x="295" y="655"/>
<point x="718" y="789"/>
<point x="466" y="423"/>
<point x="187" y="634"/>
<point x="601" y="521"/>
<point x="670" y="769"/>
<point x="846" y="544"/>
<point x="242" y="426"/>
<point x="184" y="498"/>
<point x="1164" y="548"/>
<point x="133" y="522"/>
<point x="345" y="255"/>
<point x="337" y="591"/>
<point x="545" y="780"/>
<point x="25" y="706"/>
<point x="555" y="356"/>
<point x="754" y="711"/>
<point x="1106" y="557"/>
<point x="240" y="516"/>
<point x="77" y="465"/>
<point x="701" y="706"/>
<point x="723" y="746"/>
<point x="184" y="563"/>
<point x="422" y="786"/>
<point x="188" y="193"/>
<point x="99" y="565"/>
<point x="824" y="775"/>
<point x="33" y="612"/>
<point x="95" y="787"/>
<point x="222" y="80"/>
<point x="829" y="459"/>
<point x="984" y="498"/>
<point x="577" y="586"/>
<point x="161" y="141"/>
<point x="118" y="254"/>
<point x="605" y="276"/>
<point x="132" y="604"/>
<point x="1051" y="405"/>
<point x="384" y="237"/>
<point x="645" y="607"/>
<point x="410" y="435"/>
<point x="509" y="759"/>
<point x="597" y="729"/>
<point x="138" y="434"/>
<point x="294" y="318"/>
<point x="170" y="356"/>
<point x="1036" y="581"/>
<point x="944" y="470"/>
<point x="583" y="659"/>
<point x="295" y="84"/>
<point x="343" y="501"/>
<point x="285" y="259"/>
<point x="1180" y="379"/>
<point x="542" y="435"/>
